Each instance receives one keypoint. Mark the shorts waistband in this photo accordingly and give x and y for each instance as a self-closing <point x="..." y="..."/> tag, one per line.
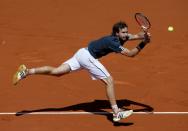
<point x="86" y="48"/>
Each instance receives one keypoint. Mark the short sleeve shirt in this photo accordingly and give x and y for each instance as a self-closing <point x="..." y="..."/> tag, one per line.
<point x="105" y="45"/>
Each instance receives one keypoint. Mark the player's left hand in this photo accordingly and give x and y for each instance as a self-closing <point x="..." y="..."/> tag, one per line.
<point x="144" y="35"/>
<point x="147" y="37"/>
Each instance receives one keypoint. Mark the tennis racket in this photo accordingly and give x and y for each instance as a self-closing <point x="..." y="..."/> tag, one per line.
<point x="143" y="21"/>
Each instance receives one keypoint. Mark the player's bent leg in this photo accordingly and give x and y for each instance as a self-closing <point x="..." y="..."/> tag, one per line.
<point x="110" y="89"/>
<point x="118" y="114"/>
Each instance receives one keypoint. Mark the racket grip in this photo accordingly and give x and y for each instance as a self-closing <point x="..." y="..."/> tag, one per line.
<point x="144" y="29"/>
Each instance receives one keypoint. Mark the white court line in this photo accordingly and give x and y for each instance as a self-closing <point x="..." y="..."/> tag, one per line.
<point x="92" y="113"/>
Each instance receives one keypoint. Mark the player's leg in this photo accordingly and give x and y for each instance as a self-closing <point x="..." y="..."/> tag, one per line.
<point x="118" y="114"/>
<point x="49" y="70"/>
<point x="70" y="65"/>
<point x="23" y="71"/>
<point x="98" y="71"/>
<point x="110" y="93"/>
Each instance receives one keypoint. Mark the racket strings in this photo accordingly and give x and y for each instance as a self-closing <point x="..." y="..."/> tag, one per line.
<point x="142" y="21"/>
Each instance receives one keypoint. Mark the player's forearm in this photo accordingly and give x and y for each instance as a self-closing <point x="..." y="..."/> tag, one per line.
<point x="130" y="53"/>
<point x="133" y="52"/>
<point x="138" y="36"/>
<point x="136" y="50"/>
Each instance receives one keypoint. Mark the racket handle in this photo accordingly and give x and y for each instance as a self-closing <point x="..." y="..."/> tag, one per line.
<point x="144" y="29"/>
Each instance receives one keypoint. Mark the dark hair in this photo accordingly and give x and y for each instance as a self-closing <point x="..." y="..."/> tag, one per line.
<point x="117" y="26"/>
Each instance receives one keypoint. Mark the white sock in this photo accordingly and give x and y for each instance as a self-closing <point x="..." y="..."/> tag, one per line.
<point x="115" y="108"/>
<point x="31" y="71"/>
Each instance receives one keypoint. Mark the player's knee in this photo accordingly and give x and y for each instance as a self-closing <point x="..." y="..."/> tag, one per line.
<point x="61" y="70"/>
<point x="110" y="81"/>
<point x="55" y="72"/>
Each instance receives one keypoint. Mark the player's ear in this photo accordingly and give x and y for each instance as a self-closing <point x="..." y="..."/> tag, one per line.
<point x="117" y="33"/>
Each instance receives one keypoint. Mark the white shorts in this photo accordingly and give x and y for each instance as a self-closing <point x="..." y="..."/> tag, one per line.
<point x="82" y="59"/>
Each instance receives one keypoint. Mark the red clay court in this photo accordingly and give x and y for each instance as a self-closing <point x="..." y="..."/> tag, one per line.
<point x="48" y="32"/>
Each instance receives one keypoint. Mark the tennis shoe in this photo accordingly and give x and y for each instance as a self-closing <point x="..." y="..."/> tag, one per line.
<point x="121" y="115"/>
<point x="20" y="74"/>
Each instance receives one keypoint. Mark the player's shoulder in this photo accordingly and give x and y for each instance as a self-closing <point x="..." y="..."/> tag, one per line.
<point x="112" y="38"/>
<point x="109" y="40"/>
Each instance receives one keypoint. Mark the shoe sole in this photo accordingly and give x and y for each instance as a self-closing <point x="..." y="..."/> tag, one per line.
<point x="15" y="77"/>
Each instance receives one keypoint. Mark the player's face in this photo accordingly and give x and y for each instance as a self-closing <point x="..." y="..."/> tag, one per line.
<point x="123" y="33"/>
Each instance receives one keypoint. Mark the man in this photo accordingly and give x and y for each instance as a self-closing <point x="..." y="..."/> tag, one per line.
<point x="87" y="58"/>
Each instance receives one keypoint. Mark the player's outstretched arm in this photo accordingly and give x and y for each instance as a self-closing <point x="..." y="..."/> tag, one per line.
<point x="138" y="48"/>
<point x="139" y="36"/>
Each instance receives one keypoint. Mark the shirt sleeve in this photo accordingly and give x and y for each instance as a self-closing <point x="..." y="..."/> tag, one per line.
<point x="116" y="47"/>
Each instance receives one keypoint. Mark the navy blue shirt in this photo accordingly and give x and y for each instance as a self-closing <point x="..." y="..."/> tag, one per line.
<point x="105" y="45"/>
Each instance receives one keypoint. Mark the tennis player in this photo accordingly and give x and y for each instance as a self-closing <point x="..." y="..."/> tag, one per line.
<point x="88" y="58"/>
